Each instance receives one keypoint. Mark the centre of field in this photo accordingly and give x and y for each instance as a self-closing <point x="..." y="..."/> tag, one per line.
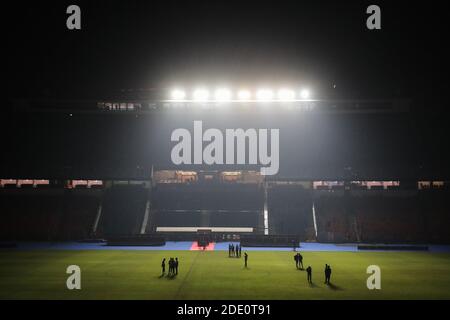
<point x="117" y="274"/>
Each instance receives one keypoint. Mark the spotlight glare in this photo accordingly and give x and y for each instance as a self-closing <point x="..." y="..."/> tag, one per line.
<point x="222" y="95"/>
<point x="286" y="94"/>
<point x="177" y="94"/>
<point x="264" y="95"/>
<point x="244" y="95"/>
<point x="304" y="94"/>
<point x="201" y="95"/>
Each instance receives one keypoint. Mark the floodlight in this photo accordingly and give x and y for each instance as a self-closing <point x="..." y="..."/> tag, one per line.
<point x="201" y="95"/>
<point x="264" y="95"/>
<point x="177" y="94"/>
<point x="244" y="95"/>
<point x="286" y="94"/>
<point x="222" y="94"/>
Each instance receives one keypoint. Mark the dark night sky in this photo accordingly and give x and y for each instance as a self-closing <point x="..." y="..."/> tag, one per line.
<point x="149" y="44"/>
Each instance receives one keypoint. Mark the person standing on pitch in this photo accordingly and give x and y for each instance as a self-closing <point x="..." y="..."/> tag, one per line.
<point x="171" y="266"/>
<point x="300" y="260"/>
<point x="232" y="249"/>
<point x="163" y="266"/>
<point x="176" y="265"/>
<point x="245" y="258"/>
<point x="296" y="260"/>
<point x="240" y="250"/>
<point x="309" y="272"/>
<point x="329" y="275"/>
<point x="237" y="251"/>
<point x="229" y="250"/>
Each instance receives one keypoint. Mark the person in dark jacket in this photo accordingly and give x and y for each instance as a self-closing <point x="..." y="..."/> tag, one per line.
<point x="327" y="274"/>
<point x="300" y="261"/>
<point x="163" y="266"/>
<point x="309" y="272"/>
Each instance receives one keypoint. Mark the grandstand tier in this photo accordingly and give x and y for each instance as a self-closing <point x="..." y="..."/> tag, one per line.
<point x="228" y="210"/>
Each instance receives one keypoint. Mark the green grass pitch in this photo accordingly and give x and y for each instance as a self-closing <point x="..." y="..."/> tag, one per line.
<point x="116" y="274"/>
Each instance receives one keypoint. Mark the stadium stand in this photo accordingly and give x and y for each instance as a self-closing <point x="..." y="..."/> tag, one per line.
<point x="123" y="210"/>
<point x="434" y="206"/>
<point x="290" y="209"/>
<point x="334" y="218"/>
<point x="229" y="210"/>
<point x="47" y="215"/>
<point x="207" y="205"/>
<point x="207" y="196"/>
<point x="387" y="216"/>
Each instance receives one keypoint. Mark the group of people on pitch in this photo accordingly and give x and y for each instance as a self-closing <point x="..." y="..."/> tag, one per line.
<point x="299" y="265"/>
<point x="234" y="251"/>
<point x="173" y="266"/>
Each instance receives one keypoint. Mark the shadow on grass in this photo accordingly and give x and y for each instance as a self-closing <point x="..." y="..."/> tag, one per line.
<point x="171" y="276"/>
<point x="334" y="287"/>
<point x="313" y="285"/>
<point x="168" y="276"/>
